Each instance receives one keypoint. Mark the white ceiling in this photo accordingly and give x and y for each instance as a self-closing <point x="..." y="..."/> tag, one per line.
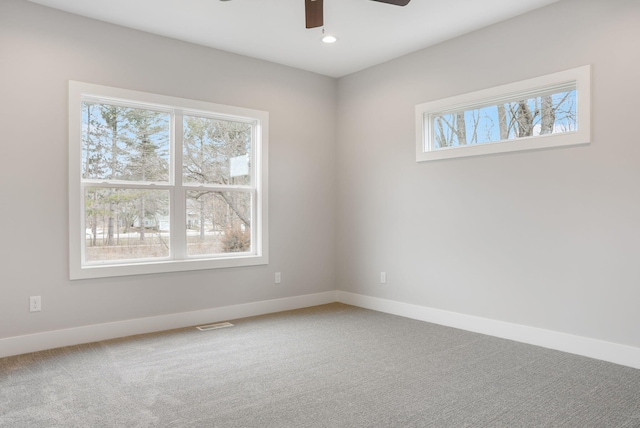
<point x="368" y="32"/>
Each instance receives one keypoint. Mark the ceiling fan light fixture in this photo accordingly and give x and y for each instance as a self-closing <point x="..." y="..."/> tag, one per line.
<point x="328" y="38"/>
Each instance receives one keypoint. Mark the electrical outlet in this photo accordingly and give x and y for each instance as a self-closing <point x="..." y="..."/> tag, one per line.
<point x="278" y="278"/>
<point x="383" y="277"/>
<point x="35" y="304"/>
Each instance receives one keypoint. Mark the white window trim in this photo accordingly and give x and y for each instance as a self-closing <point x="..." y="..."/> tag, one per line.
<point x="582" y="78"/>
<point x="77" y="90"/>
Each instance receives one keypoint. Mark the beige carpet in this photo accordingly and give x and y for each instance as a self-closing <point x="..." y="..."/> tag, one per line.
<point x="328" y="366"/>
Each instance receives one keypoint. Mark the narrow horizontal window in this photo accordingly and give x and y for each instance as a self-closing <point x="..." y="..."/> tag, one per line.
<point x="160" y="184"/>
<point x="549" y="111"/>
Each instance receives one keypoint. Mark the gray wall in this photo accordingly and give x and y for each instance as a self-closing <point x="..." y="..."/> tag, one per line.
<point x="547" y="239"/>
<point x="40" y="51"/>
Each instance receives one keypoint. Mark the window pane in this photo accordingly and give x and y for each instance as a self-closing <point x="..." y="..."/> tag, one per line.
<point x="218" y="222"/>
<point x="550" y="113"/>
<point x="216" y="151"/>
<point x="124" y="143"/>
<point x="124" y="224"/>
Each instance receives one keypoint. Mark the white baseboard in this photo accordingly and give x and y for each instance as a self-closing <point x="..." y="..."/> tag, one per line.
<point x="598" y="349"/>
<point x="606" y="351"/>
<point x="93" y="333"/>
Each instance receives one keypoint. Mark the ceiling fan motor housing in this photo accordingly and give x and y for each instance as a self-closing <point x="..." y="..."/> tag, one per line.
<point x="314" y="10"/>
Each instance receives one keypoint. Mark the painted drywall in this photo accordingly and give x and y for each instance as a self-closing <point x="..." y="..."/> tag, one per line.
<point x="41" y="49"/>
<point x="546" y="239"/>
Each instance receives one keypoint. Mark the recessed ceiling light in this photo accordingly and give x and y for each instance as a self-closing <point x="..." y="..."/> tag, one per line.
<point x="329" y="39"/>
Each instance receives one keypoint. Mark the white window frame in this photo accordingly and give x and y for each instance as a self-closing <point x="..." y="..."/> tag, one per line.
<point x="178" y="261"/>
<point x="581" y="76"/>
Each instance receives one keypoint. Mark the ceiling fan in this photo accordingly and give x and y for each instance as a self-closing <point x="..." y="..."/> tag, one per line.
<point x="314" y="14"/>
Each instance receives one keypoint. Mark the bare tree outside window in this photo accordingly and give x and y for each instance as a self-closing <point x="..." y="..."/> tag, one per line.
<point x="544" y="114"/>
<point x="217" y="157"/>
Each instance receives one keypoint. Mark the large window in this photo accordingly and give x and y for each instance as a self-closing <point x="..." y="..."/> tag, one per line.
<point x="548" y="111"/>
<point x="162" y="184"/>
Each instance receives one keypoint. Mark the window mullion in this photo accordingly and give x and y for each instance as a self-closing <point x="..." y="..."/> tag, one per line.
<point x="178" y="205"/>
<point x="218" y="188"/>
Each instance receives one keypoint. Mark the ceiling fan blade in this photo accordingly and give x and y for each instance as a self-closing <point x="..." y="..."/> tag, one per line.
<point x="313" y="13"/>
<point x="395" y="2"/>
